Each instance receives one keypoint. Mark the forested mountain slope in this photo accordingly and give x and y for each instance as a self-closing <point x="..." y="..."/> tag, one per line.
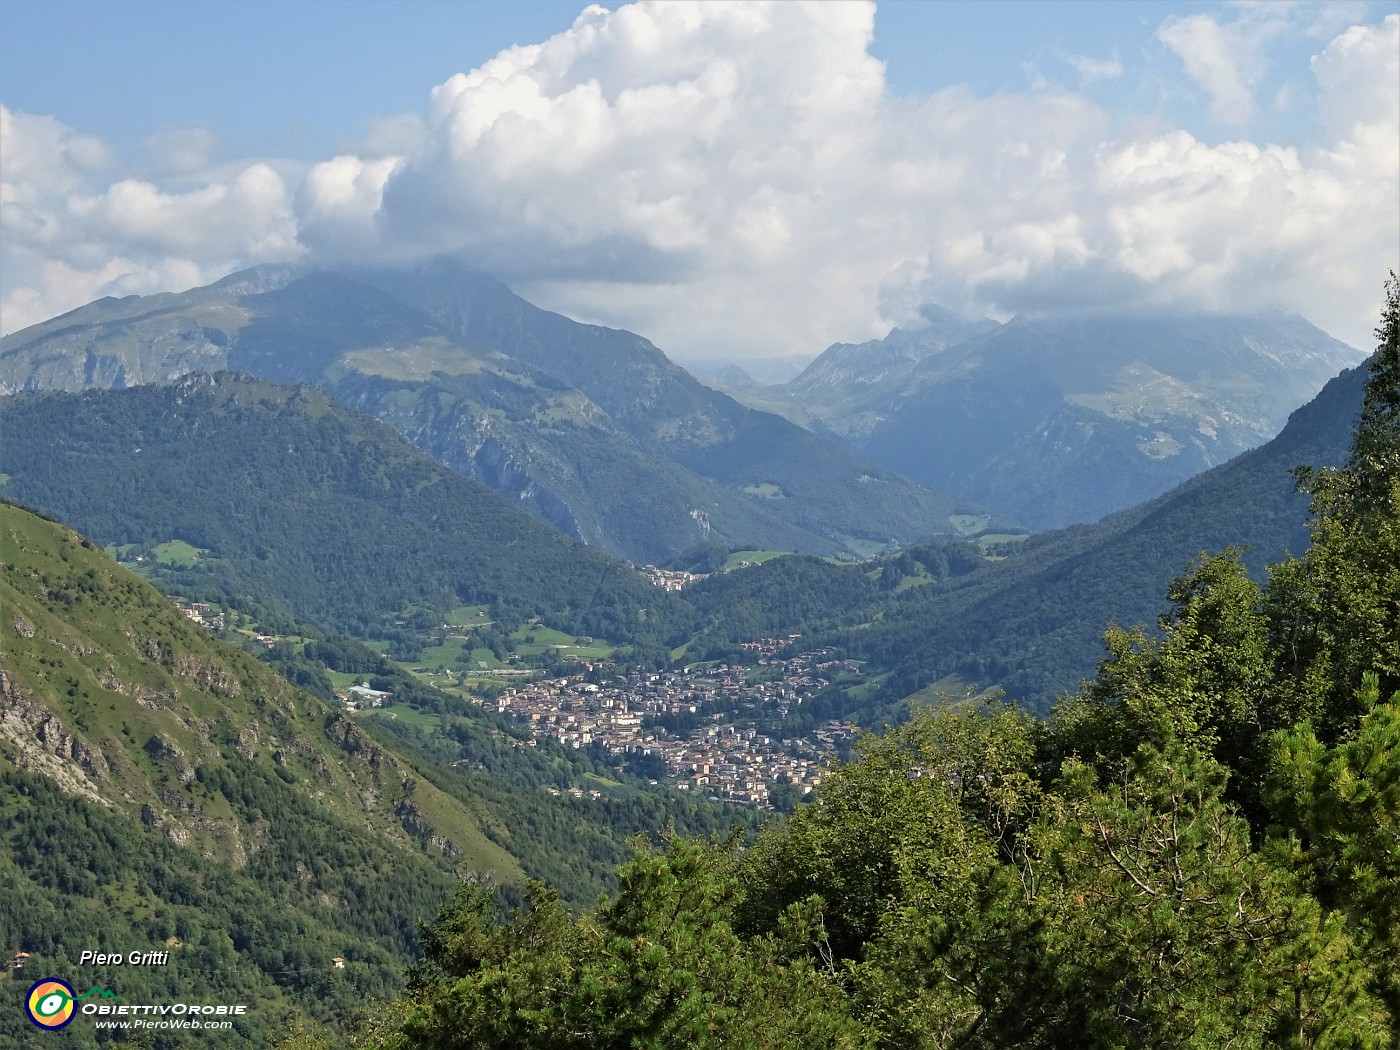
<point x="591" y="429"/>
<point x="308" y="507"/>
<point x="1033" y="622"/>
<point x="160" y="787"/>
<point x="162" y="790"/>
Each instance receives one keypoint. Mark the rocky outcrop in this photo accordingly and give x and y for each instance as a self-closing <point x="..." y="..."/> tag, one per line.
<point x="167" y="753"/>
<point x="417" y="825"/>
<point x="205" y="673"/>
<point x="34" y="738"/>
<point x="347" y="736"/>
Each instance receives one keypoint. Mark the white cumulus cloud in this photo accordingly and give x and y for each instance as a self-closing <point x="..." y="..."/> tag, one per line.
<point x="1222" y="59"/>
<point x="736" y="179"/>
<point x="72" y="233"/>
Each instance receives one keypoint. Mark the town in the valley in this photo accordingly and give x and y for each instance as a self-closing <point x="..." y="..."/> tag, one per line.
<point x="695" y="725"/>
<point x="696" y="728"/>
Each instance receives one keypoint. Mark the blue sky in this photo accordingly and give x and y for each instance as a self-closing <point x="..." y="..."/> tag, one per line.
<point x="301" y="79"/>
<point x="1048" y="153"/>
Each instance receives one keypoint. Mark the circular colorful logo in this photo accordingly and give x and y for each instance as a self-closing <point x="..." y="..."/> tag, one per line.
<point x="50" y="1003"/>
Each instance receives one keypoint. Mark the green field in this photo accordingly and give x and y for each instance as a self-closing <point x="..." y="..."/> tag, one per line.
<point x="766" y="490"/>
<point x="864" y="548"/>
<point x="994" y="544"/>
<point x="593" y="780"/>
<point x="968" y="524"/>
<point x="448" y="654"/>
<point x="456" y="666"/>
<point x="950" y="689"/>
<point x="410" y="715"/>
<point x="545" y="638"/>
<point x="171" y="552"/>
<point x="916" y="579"/>
<point x="343" y="680"/>
<point x="177" y="552"/>
<point x="468" y="616"/>
<point x="742" y="559"/>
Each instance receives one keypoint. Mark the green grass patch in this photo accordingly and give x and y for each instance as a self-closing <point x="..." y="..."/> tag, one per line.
<point x="766" y="490"/>
<point x="950" y="689"/>
<point x="416" y="363"/>
<point x="483" y="660"/>
<point x="410" y="715"/>
<point x="343" y="680"/>
<point x="468" y="616"/>
<point x="917" y="579"/>
<point x="742" y="559"/>
<point x="542" y="637"/>
<point x="967" y="524"/>
<point x="177" y="552"/>
<point x="602" y="783"/>
<point x="536" y="639"/>
<point x="864" y="548"/>
<point x="436" y="657"/>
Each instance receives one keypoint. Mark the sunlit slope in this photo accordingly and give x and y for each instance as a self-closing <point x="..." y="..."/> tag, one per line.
<point x="119" y="698"/>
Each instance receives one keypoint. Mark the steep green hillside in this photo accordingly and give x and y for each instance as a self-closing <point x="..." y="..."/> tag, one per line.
<point x="308" y="507"/>
<point x="1033" y="623"/>
<point x="163" y="791"/>
<point x="160" y="787"/>
<point x="603" y="485"/>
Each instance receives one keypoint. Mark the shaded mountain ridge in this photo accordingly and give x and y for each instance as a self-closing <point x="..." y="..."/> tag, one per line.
<point x="1057" y="420"/>
<point x="591" y="429"/>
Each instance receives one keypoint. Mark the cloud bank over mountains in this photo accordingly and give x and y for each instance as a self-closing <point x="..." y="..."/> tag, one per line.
<point x="738" y="179"/>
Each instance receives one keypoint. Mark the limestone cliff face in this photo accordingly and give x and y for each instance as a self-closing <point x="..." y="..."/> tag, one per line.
<point x="33" y="738"/>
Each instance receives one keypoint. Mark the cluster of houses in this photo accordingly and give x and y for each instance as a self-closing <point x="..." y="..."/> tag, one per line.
<point x="206" y="615"/>
<point x="670" y="579"/>
<point x="575" y="792"/>
<point x="203" y="613"/>
<point x="358" y="696"/>
<point x="714" y="748"/>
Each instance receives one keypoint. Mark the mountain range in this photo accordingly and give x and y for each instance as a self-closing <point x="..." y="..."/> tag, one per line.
<point x="1029" y="619"/>
<point x="1052" y="421"/>
<point x="933" y="619"/>
<point x="591" y="429"/>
